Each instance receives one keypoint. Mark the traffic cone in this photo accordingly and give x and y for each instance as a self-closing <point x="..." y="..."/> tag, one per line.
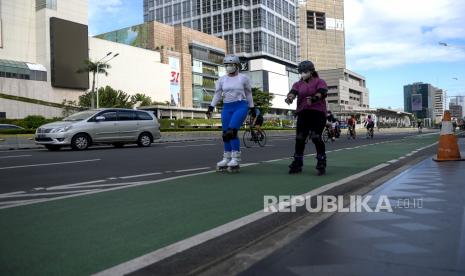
<point x="448" y="149"/>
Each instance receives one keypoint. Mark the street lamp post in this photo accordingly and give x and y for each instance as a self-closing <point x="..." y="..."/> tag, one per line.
<point x="98" y="68"/>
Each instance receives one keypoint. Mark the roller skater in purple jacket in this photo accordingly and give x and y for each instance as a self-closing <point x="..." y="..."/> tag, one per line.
<point x="310" y="92"/>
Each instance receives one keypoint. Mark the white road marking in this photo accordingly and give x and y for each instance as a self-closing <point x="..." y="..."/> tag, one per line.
<point x="139" y="175"/>
<point x="45" y="194"/>
<point x="14" y="156"/>
<point x="274" y="160"/>
<point x="17" y="201"/>
<point x="61" y="187"/>
<point x="13" y="193"/>
<point x="49" y="164"/>
<point x="186" y="146"/>
<point x="190" y="170"/>
<point x="11" y="151"/>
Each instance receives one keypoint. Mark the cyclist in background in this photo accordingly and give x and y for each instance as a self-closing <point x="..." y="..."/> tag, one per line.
<point x="331" y="125"/>
<point x="351" y="124"/>
<point x="419" y="126"/>
<point x="257" y="120"/>
<point x="369" y="124"/>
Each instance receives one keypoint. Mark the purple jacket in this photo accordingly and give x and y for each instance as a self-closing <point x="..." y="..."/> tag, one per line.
<point x="309" y="89"/>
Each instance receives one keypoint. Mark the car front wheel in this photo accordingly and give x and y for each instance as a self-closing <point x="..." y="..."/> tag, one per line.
<point x="80" y="142"/>
<point x="144" y="140"/>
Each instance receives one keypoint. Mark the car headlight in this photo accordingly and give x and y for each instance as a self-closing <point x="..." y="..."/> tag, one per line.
<point x="61" y="129"/>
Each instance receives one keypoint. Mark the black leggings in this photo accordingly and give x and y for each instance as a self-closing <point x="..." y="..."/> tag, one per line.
<point x="310" y="122"/>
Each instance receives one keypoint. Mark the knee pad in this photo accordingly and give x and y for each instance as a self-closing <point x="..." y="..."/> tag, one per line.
<point x="315" y="136"/>
<point x="231" y="133"/>
<point x="300" y="137"/>
<point x="225" y="137"/>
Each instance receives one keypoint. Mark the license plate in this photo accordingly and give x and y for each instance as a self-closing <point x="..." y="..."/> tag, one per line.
<point x="41" y="136"/>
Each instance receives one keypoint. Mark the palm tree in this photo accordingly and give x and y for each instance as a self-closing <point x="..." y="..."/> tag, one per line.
<point x="91" y="67"/>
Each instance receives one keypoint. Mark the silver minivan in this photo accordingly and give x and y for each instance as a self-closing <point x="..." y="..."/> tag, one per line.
<point x="114" y="126"/>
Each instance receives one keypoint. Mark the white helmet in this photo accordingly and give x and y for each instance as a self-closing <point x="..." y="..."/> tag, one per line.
<point x="231" y="59"/>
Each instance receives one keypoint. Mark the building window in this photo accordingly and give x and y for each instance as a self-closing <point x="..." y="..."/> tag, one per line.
<point x="270" y="4"/>
<point x="271" y="44"/>
<point x="279" y="26"/>
<point x="285" y="9"/>
<point x="227" y="4"/>
<point x="168" y="14"/>
<point x="229" y="43"/>
<point x="46" y="4"/>
<point x="217" y="23"/>
<point x="206" y="8"/>
<point x="217" y="5"/>
<point x="316" y="20"/>
<point x="247" y="19"/>
<point x="247" y="43"/>
<point x="259" y="41"/>
<point x="177" y="12"/>
<point x="286" y="50"/>
<point x="228" y="21"/>
<point x="237" y="2"/>
<point x="239" y="42"/>
<point x="256" y="18"/>
<point x="292" y="13"/>
<point x="159" y="15"/>
<point x="187" y="24"/>
<point x="285" y="29"/>
<point x="278" y="6"/>
<point x="158" y="2"/>
<point x="279" y="47"/>
<point x="196" y="25"/>
<point x="238" y="19"/>
<point x="270" y="22"/>
<point x="293" y="50"/>
<point x="292" y="32"/>
<point x="207" y="25"/>
<point x="196" y="7"/>
<point x="186" y="9"/>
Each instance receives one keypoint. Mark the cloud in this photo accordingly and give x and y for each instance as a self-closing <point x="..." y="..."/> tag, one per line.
<point x="386" y="34"/>
<point x="104" y="6"/>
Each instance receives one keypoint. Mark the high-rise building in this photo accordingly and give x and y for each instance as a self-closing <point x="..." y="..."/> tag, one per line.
<point x="424" y="100"/>
<point x="455" y="110"/>
<point x="251" y="28"/>
<point x="458" y="100"/>
<point x="321" y="33"/>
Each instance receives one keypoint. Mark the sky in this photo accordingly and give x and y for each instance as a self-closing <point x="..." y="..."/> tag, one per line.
<point x="390" y="42"/>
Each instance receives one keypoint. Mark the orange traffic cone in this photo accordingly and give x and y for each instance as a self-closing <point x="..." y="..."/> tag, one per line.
<point x="448" y="149"/>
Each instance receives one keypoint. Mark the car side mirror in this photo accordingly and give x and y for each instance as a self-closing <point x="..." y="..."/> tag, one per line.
<point x="99" y="118"/>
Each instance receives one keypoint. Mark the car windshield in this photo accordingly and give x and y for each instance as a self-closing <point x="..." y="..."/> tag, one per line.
<point x="80" y="116"/>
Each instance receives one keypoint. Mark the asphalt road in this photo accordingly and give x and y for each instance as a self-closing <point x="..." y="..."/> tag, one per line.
<point x="28" y="175"/>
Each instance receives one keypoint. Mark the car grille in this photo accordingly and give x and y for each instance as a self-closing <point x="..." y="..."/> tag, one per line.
<point x="45" y="139"/>
<point x="44" y="130"/>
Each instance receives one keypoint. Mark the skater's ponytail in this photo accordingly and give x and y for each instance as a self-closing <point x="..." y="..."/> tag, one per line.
<point x="315" y="74"/>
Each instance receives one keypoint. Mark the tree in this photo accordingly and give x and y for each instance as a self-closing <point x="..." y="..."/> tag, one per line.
<point x="108" y="97"/>
<point x="91" y="67"/>
<point x="262" y="99"/>
<point x="144" y="99"/>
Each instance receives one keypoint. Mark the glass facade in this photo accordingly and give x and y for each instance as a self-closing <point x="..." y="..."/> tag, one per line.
<point x="207" y="68"/>
<point x="237" y="21"/>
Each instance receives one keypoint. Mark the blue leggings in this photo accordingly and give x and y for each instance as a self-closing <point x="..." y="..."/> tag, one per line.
<point x="232" y="117"/>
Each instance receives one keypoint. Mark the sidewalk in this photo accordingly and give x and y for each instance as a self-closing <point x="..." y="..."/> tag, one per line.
<point x="426" y="238"/>
<point x="11" y="142"/>
<point x="98" y="231"/>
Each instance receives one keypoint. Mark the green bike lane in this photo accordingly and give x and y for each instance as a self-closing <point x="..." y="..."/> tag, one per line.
<point x="87" y="234"/>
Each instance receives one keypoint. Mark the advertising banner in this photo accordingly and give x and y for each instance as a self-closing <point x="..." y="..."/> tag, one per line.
<point x="417" y="104"/>
<point x="175" y="75"/>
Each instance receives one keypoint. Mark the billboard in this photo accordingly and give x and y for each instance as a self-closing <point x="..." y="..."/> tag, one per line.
<point x="417" y="102"/>
<point x="69" y="47"/>
<point x="175" y="86"/>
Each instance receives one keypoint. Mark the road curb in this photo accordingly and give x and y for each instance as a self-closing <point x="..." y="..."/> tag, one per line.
<point x="219" y="243"/>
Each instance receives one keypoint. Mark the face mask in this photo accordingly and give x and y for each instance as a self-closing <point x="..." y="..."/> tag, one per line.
<point x="306" y="76"/>
<point x="230" y="69"/>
